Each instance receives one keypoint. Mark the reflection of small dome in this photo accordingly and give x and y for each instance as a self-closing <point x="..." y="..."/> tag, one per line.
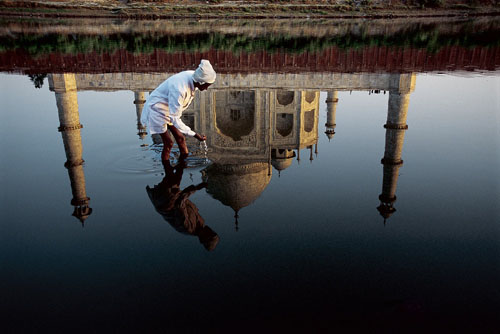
<point x="386" y="210"/>
<point x="282" y="158"/>
<point x="281" y="164"/>
<point x="236" y="186"/>
<point x="330" y="134"/>
<point x="285" y="97"/>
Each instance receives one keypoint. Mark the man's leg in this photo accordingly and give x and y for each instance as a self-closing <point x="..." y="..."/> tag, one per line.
<point x="167" y="146"/>
<point x="180" y="139"/>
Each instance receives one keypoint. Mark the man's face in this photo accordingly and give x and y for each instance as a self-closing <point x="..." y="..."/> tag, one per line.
<point x="204" y="86"/>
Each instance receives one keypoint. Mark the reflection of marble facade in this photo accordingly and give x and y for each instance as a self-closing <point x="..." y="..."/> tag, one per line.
<point x="250" y="124"/>
<point x="247" y="125"/>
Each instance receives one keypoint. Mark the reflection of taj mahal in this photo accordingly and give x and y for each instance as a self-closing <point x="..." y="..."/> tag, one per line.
<point x="254" y="123"/>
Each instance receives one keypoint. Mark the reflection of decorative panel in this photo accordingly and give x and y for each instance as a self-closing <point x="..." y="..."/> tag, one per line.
<point x="235" y="118"/>
<point x="285" y="97"/>
<point x="309" y="120"/>
<point x="284" y="124"/>
<point x="310" y="97"/>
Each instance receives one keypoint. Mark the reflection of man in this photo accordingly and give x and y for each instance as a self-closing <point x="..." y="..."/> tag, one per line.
<point x="164" y="106"/>
<point x="175" y="207"/>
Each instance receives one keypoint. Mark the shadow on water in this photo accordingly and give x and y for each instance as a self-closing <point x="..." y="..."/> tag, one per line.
<point x="174" y="206"/>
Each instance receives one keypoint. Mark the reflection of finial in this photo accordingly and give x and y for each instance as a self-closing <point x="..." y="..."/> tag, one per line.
<point x="236" y="220"/>
<point x="311" y="158"/>
<point x="298" y="155"/>
<point x="82" y="212"/>
<point x="316" y="149"/>
<point x="386" y="207"/>
<point x="279" y="173"/>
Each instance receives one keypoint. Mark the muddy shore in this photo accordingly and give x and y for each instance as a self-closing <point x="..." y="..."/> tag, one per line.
<point x="174" y="9"/>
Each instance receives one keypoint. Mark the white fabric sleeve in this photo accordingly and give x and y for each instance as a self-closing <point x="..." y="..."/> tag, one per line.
<point x="175" y="102"/>
<point x="186" y="130"/>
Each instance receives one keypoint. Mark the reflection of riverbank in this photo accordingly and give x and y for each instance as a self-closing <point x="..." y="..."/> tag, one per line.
<point x="370" y="59"/>
<point x="100" y="46"/>
<point x="308" y="28"/>
<point x="40" y="38"/>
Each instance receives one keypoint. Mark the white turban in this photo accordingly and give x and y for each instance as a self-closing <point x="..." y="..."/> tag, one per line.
<point x="204" y="73"/>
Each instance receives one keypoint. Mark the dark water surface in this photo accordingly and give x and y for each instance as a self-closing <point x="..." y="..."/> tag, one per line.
<point x="314" y="231"/>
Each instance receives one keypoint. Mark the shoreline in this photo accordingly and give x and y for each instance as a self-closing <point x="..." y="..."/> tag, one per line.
<point x="196" y="10"/>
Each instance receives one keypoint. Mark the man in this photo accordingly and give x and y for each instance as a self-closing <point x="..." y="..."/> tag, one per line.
<point x="163" y="108"/>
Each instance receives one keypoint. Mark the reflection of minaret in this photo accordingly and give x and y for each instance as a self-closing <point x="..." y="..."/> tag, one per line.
<point x="139" y="101"/>
<point x="394" y="139"/>
<point x="64" y="86"/>
<point x="331" y="109"/>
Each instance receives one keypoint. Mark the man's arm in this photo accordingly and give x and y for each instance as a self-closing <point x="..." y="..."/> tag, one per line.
<point x="176" y="100"/>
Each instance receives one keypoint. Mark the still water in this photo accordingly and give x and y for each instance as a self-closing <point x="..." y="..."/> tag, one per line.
<point x="326" y="199"/>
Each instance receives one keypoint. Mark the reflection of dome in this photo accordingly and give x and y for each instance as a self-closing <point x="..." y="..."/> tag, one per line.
<point x="281" y="164"/>
<point x="236" y="186"/>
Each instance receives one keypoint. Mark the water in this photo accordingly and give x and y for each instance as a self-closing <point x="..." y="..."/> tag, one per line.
<point x="294" y="222"/>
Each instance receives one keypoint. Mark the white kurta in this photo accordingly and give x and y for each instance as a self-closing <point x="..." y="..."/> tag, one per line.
<point x="164" y="106"/>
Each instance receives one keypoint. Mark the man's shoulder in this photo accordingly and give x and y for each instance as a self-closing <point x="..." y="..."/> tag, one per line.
<point x="182" y="75"/>
<point x="181" y="82"/>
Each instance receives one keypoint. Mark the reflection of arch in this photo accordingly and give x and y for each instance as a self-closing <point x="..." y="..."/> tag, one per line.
<point x="310" y="97"/>
<point x="309" y="120"/>
<point x="235" y="113"/>
<point x="235" y="121"/>
<point x="284" y="124"/>
<point x="285" y="97"/>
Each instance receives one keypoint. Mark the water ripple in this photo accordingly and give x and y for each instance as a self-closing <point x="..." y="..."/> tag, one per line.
<point x="146" y="159"/>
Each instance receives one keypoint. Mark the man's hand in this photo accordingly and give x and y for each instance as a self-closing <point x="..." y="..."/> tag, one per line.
<point x="200" y="137"/>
